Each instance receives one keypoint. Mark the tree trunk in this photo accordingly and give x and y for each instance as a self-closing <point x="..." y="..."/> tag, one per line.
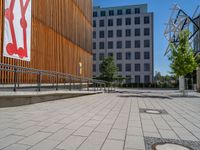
<point x="198" y="79"/>
<point x="182" y="84"/>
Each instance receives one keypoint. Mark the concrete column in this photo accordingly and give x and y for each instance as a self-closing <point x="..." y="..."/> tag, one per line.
<point x="198" y="79"/>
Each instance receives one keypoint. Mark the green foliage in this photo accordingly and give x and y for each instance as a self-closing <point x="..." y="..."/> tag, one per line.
<point x="182" y="56"/>
<point x="108" y="69"/>
<point x="198" y="59"/>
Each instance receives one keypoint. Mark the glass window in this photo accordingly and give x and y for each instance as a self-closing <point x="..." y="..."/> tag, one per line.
<point x="94" y="57"/>
<point x="94" y="45"/>
<point x="110" y="54"/>
<point x="128" y="32"/>
<point x="119" y="12"/>
<point x="94" y="23"/>
<point x="94" y="35"/>
<point x="128" y="55"/>
<point x="119" y="22"/>
<point x="146" y="79"/>
<point x="101" y="23"/>
<point x="103" y="13"/>
<point x="128" y="44"/>
<point x="94" y="68"/>
<point x="137" y="32"/>
<point x="128" y="21"/>
<point x="128" y="11"/>
<point x="137" y="67"/>
<point x="128" y="67"/>
<point x="146" y="43"/>
<point x="119" y="44"/>
<point x="119" y="66"/>
<point x="119" y="33"/>
<point x="110" y="45"/>
<point x="119" y="56"/>
<point x="137" y="20"/>
<point x="146" y="67"/>
<point x="146" y="55"/>
<point x="128" y="79"/>
<point x="137" y="79"/>
<point x="137" y="55"/>
<point x="137" y="10"/>
<point x="111" y="12"/>
<point x="101" y="34"/>
<point x="101" y="45"/>
<point x="110" y="22"/>
<point x="137" y="43"/>
<point x="146" y="32"/>
<point x="146" y="20"/>
<point x="101" y="56"/>
<point x="110" y="33"/>
<point x="95" y="14"/>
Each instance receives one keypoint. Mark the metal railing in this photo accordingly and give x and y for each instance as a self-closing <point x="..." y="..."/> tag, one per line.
<point x="42" y="79"/>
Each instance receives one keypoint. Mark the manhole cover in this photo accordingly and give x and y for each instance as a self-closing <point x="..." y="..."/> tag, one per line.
<point x="169" y="146"/>
<point x="153" y="112"/>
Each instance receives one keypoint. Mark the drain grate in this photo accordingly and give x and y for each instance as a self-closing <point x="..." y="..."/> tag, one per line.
<point x="170" y="144"/>
<point x="153" y="111"/>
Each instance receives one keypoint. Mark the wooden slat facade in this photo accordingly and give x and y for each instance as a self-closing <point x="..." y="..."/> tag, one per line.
<point x="61" y="38"/>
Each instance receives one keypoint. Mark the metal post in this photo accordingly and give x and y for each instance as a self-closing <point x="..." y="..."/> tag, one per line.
<point x="15" y="80"/>
<point x="70" y="83"/>
<point x="56" y="82"/>
<point x="39" y="81"/>
<point x="88" y="84"/>
<point x="80" y="84"/>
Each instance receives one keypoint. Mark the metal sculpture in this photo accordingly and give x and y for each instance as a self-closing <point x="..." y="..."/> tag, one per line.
<point x="180" y="20"/>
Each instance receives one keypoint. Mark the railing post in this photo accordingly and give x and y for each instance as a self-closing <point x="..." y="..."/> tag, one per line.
<point x="70" y="83"/>
<point x="56" y="82"/>
<point x="39" y="81"/>
<point x="80" y="84"/>
<point x="15" y="80"/>
<point x="88" y="84"/>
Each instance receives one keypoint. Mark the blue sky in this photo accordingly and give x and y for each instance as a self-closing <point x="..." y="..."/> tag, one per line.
<point x="161" y="9"/>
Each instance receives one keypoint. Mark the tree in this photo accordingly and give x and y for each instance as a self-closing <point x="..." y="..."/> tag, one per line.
<point x="182" y="58"/>
<point x="108" y="69"/>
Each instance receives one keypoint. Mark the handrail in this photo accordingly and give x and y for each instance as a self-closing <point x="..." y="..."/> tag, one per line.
<point x="58" y="75"/>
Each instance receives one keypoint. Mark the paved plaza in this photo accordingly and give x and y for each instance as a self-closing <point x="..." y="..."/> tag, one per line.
<point x="115" y="121"/>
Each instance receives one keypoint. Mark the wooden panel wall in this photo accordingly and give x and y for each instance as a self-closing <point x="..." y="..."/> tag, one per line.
<point x="61" y="38"/>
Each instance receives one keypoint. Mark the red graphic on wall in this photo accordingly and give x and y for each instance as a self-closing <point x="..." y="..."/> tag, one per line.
<point x="12" y="48"/>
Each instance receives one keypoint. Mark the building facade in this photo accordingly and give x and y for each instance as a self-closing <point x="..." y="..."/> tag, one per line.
<point x="61" y="38"/>
<point x="126" y="33"/>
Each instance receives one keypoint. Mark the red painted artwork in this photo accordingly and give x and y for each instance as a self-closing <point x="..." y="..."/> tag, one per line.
<point x="12" y="48"/>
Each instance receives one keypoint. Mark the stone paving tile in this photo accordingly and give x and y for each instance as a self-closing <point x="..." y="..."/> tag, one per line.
<point x="53" y="128"/>
<point x="94" y="141"/>
<point x="71" y="143"/>
<point x="83" y="131"/>
<point x="113" y="145"/>
<point x="45" y="145"/>
<point x="35" y="138"/>
<point x="17" y="147"/>
<point x="98" y="122"/>
<point x="135" y="142"/>
<point x="11" y="139"/>
<point x="29" y="131"/>
<point x="60" y="135"/>
<point x="117" y="134"/>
